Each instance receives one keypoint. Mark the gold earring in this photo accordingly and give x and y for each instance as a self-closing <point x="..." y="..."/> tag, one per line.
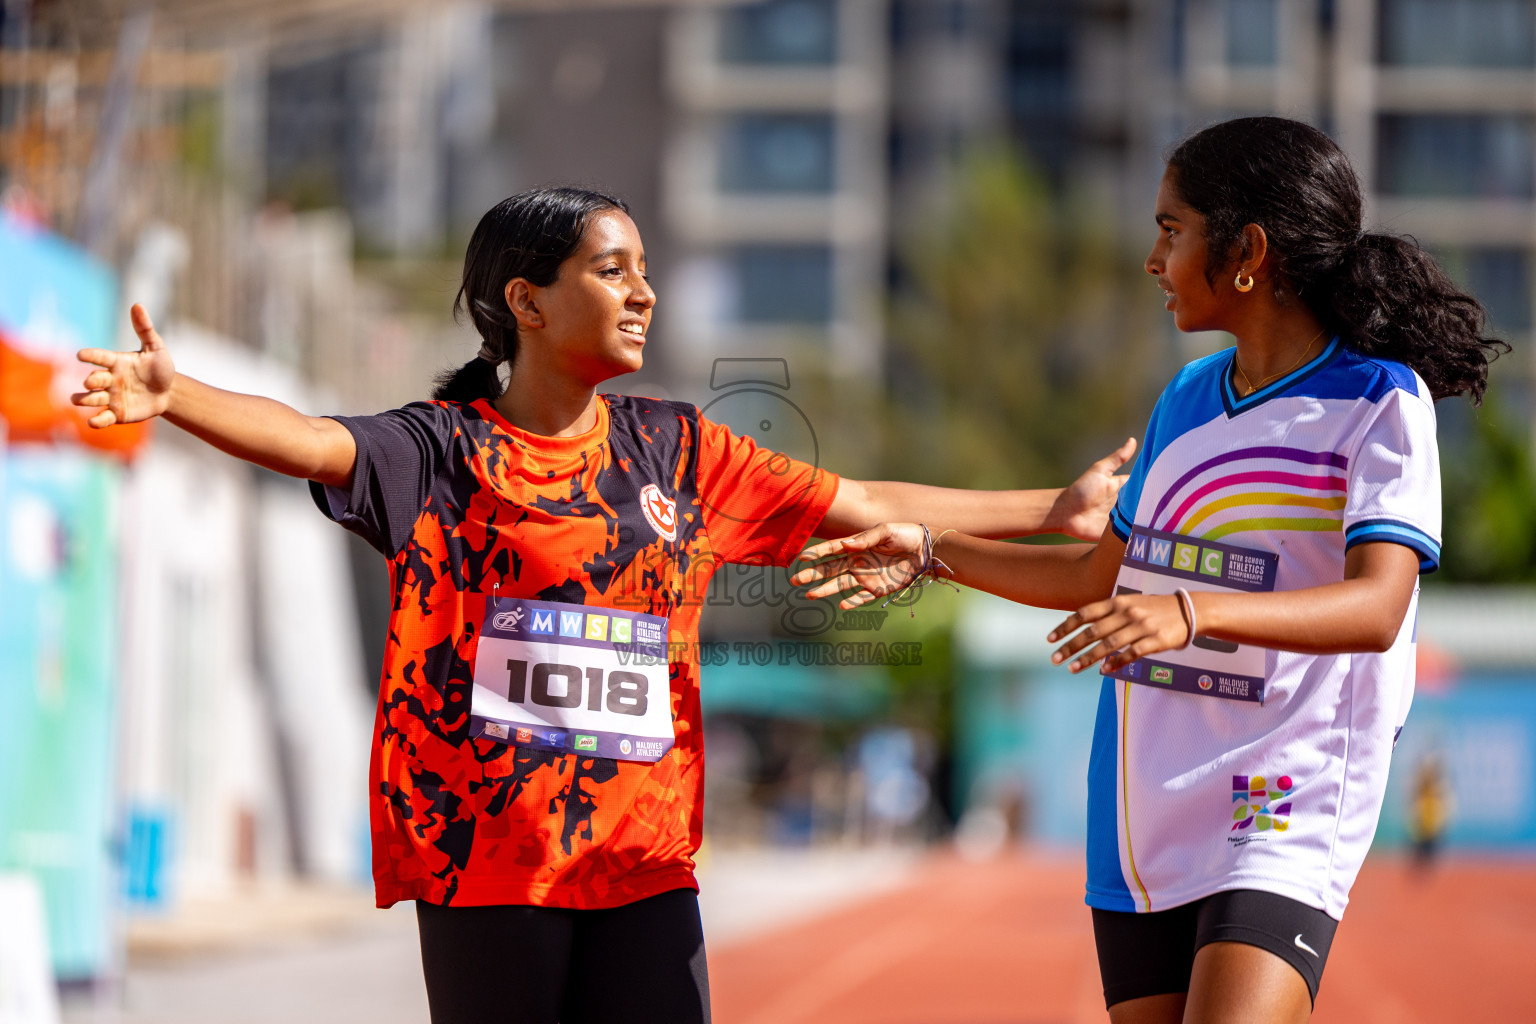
<point x="1238" y="283"/>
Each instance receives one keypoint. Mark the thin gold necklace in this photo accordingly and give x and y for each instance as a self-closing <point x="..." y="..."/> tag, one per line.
<point x="1252" y="387"/>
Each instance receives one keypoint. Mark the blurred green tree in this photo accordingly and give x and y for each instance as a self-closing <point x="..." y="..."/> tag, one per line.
<point x="1023" y="344"/>
<point x="1018" y="353"/>
<point x="1489" y="487"/>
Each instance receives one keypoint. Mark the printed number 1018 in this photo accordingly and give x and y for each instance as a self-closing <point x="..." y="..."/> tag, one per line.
<point x="561" y="686"/>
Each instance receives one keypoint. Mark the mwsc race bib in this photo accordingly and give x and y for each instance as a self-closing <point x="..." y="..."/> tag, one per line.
<point x="1159" y="563"/>
<point x="575" y="679"/>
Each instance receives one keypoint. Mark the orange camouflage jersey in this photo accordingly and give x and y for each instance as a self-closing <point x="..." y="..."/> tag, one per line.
<point x="466" y="505"/>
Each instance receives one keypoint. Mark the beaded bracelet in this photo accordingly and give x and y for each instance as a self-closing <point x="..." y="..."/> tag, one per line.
<point x="926" y="572"/>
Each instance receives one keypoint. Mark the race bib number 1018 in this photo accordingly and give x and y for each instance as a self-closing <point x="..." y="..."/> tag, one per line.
<point x="573" y="679"/>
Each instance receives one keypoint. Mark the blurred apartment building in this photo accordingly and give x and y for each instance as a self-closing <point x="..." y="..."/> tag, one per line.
<point x="775" y="179"/>
<point x="772" y="151"/>
<point x="766" y="148"/>
<point x="749" y="141"/>
<point x="776" y="152"/>
<point x="1432" y="99"/>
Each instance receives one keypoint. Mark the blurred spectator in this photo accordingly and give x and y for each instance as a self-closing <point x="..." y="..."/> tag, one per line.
<point x="896" y="791"/>
<point x="1431" y="810"/>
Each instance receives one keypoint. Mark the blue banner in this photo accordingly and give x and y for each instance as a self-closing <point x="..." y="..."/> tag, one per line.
<point x="54" y="297"/>
<point x="58" y="618"/>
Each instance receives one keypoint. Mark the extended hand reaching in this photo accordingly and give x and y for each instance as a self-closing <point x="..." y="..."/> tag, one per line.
<point x="1082" y="510"/>
<point x="874" y="563"/>
<point x="131" y="386"/>
<point x="1125" y="627"/>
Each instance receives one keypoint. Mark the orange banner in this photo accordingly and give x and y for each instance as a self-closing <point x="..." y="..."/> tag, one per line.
<point x="34" y="402"/>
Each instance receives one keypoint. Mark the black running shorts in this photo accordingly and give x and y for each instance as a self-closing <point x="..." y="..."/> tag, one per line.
<point x="1153" y="954"/>
<point x="642" y="963"/>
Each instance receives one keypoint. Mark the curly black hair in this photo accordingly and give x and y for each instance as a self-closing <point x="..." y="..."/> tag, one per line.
<point x="1383" y="294"/>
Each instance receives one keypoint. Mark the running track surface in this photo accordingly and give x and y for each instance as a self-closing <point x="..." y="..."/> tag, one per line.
<point x="1009" y="942"/>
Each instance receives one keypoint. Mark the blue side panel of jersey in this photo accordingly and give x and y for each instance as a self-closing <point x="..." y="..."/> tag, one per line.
<point x="1194" y="396"/>
<point x="1188" y="401"/>
<point x="1106" y="882"/>
<point x="1123" y="515"/>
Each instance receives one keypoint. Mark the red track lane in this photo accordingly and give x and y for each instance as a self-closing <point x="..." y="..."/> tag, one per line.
<point x="1009" y="942"/>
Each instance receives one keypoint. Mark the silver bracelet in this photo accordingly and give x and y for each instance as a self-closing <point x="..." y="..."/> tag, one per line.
<point x="1187" y="606"/>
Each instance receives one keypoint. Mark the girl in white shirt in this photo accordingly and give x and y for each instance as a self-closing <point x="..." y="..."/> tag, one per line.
<point x="1253" y="601"/>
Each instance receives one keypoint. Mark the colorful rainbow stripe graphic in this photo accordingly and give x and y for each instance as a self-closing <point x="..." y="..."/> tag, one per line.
<point x="1245" y="496"/>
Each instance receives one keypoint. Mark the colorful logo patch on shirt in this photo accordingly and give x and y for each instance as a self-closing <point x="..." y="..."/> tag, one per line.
<point x="1260" y="805"/>
<point x="659" y="510"/>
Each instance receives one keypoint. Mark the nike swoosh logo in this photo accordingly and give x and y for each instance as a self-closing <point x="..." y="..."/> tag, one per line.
<point x="1303" y="945"/>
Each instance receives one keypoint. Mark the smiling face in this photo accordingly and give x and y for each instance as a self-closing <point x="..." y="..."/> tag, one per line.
<point x="1179" y="261"/>
<point x="590" y="323"/>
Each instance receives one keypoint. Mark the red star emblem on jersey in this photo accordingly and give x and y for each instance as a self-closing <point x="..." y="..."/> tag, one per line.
<point x="659" y="510"/>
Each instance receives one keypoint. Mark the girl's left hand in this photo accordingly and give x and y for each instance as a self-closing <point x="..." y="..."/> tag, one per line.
<point x="1122" y="629"/>
<point x="1081" y="511"/>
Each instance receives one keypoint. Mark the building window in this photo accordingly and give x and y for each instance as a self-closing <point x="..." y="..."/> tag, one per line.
<point x="1499" y="278"/>
<point x="780" y="32"/>
<point x="784" y="284"/>
<point x="1473" y="155"/>
<point x="1253" y="34"/>
<point x="1467" y="33"/>
<point x="1040" y="63"/>
<point x="1040" y="73"/>
<point x="777" y="153"/>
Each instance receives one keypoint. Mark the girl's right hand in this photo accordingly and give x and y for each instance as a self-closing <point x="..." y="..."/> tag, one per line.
<point x="130" y="386"/>
<point x="1124" y="627"/>
<point x="879" y="561"/>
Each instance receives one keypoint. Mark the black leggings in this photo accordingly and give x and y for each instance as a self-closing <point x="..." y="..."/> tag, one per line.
<point x="638" y="963"/>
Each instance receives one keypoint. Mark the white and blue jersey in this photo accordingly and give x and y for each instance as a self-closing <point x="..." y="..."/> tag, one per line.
<point x="1223" y="766"/>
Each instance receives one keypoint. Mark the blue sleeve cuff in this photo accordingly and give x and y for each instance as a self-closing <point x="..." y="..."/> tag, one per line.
<point x="1119" y="524"/>
<point x="1395" y="532"/>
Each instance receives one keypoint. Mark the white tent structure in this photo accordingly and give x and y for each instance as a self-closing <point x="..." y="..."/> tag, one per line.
<point x="244" y="703"/>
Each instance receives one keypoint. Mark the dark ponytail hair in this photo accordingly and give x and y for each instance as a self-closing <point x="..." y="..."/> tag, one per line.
<point x="1384" y="295"/>
<point x="528" y="235"/>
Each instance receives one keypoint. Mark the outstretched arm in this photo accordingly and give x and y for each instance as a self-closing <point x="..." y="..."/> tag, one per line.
<point x="1080" y="511"/>
<point x="880" y="561"/>
<point x="134" y="386"/>
<point x="1362" y="612"/>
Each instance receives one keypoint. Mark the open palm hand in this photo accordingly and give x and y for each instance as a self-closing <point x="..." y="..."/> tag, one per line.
<point x="871" y="564"/>
<point x="1082" y="510"/>
<point x="129" y="386"/>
